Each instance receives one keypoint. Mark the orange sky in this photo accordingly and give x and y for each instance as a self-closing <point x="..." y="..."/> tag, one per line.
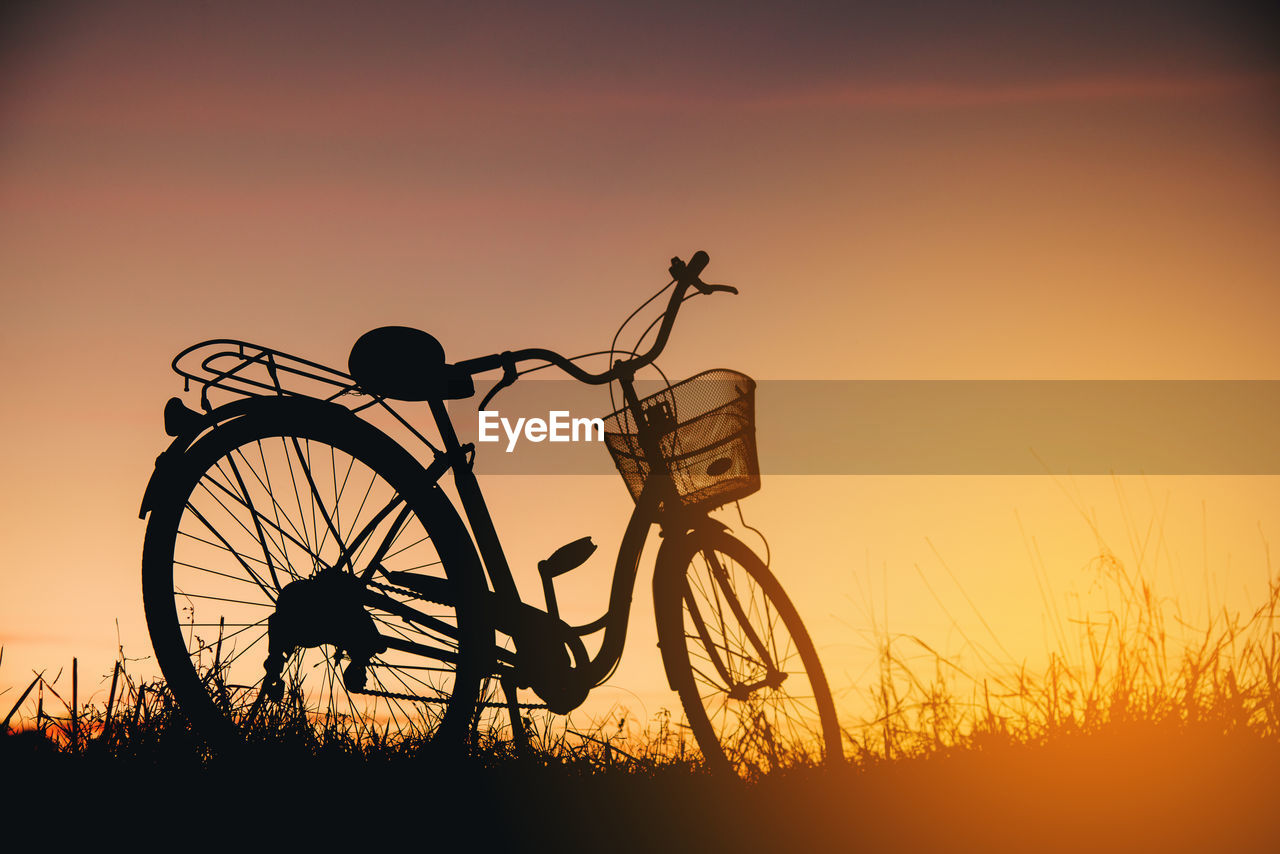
<point x="1081" y="192"/>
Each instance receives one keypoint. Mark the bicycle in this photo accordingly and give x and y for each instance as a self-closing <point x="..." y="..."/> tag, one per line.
<point x="286" y="516"/>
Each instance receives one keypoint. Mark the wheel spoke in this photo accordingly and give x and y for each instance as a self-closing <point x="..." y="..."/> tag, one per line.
<point x="257" y="523"/>
<point x="256" y="578"/>
<point x="235" y="539"/>
<point x="317" y="503"/>
<point x="285" y="534"/>
<point x="751" y="682"/>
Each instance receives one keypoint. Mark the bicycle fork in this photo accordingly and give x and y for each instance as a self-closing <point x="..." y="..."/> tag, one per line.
<point x="737" y="690"/>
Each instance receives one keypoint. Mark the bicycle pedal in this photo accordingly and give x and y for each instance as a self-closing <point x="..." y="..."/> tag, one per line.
<point x="567" y="557"/>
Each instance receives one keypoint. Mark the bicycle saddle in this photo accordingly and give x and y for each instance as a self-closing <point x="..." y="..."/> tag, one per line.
<point x="403" y="363"/>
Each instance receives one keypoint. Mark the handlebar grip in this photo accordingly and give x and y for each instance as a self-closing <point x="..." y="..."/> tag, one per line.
<point x="687" y="274"/>
<point x="697" y="264"/>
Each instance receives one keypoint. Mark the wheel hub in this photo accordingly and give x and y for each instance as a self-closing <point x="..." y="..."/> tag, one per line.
<point x="742" y="691"/>
<point x="322" y="609"/>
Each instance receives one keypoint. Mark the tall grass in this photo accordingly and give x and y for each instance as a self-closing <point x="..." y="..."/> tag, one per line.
<point x="140" y="719"/>
<point x="1139" y="661"/>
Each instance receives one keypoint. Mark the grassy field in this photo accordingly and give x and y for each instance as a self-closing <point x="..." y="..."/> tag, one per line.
<point x="1125" y="788"/>
<point x="1145" y="732"/>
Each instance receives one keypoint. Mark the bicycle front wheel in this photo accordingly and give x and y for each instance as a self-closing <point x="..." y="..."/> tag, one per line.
<point x="303" y="581"/>
<point x="737" y="653"/>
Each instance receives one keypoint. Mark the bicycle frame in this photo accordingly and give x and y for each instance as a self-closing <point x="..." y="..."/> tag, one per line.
<point x="658" y="504"/>
<point x="349" y="592"/>
<point x="541" y="637"/>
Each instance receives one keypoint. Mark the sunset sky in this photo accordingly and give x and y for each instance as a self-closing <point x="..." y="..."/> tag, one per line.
<point x="919" y="190"/>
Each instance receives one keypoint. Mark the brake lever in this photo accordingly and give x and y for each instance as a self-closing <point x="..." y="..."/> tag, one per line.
<point x="509" y="376"/>
<point x="704" y="288"/>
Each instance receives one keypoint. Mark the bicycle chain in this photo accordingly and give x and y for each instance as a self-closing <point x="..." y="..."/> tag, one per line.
<point x="392" y="695"/>
<point x="403" y="591"/>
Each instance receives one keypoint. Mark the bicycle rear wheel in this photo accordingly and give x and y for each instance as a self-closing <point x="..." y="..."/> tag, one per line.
<point x="303" y="581"/>
<point x="741" y="660"/>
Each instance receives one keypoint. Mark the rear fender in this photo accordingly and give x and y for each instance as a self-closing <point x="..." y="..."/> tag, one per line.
<point x="186" y="425"/>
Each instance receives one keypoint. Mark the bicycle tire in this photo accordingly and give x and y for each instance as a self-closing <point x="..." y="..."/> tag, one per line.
<point x="748" y="718"/>
<point x="262" y="501"/>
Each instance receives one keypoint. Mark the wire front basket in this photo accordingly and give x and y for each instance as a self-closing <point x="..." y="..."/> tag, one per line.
<point x="705" y="428"/>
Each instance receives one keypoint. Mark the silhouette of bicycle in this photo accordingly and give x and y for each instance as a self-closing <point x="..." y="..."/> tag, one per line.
<point x="302" y="570"/>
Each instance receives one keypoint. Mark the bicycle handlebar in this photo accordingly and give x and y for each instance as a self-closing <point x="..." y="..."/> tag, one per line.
<point x="685" y="276"/>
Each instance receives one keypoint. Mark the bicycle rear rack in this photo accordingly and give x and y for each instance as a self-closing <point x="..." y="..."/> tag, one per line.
<point x="249" y="370"/>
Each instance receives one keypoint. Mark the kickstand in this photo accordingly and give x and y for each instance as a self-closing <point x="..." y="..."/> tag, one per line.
<point x="518" y="732"/>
